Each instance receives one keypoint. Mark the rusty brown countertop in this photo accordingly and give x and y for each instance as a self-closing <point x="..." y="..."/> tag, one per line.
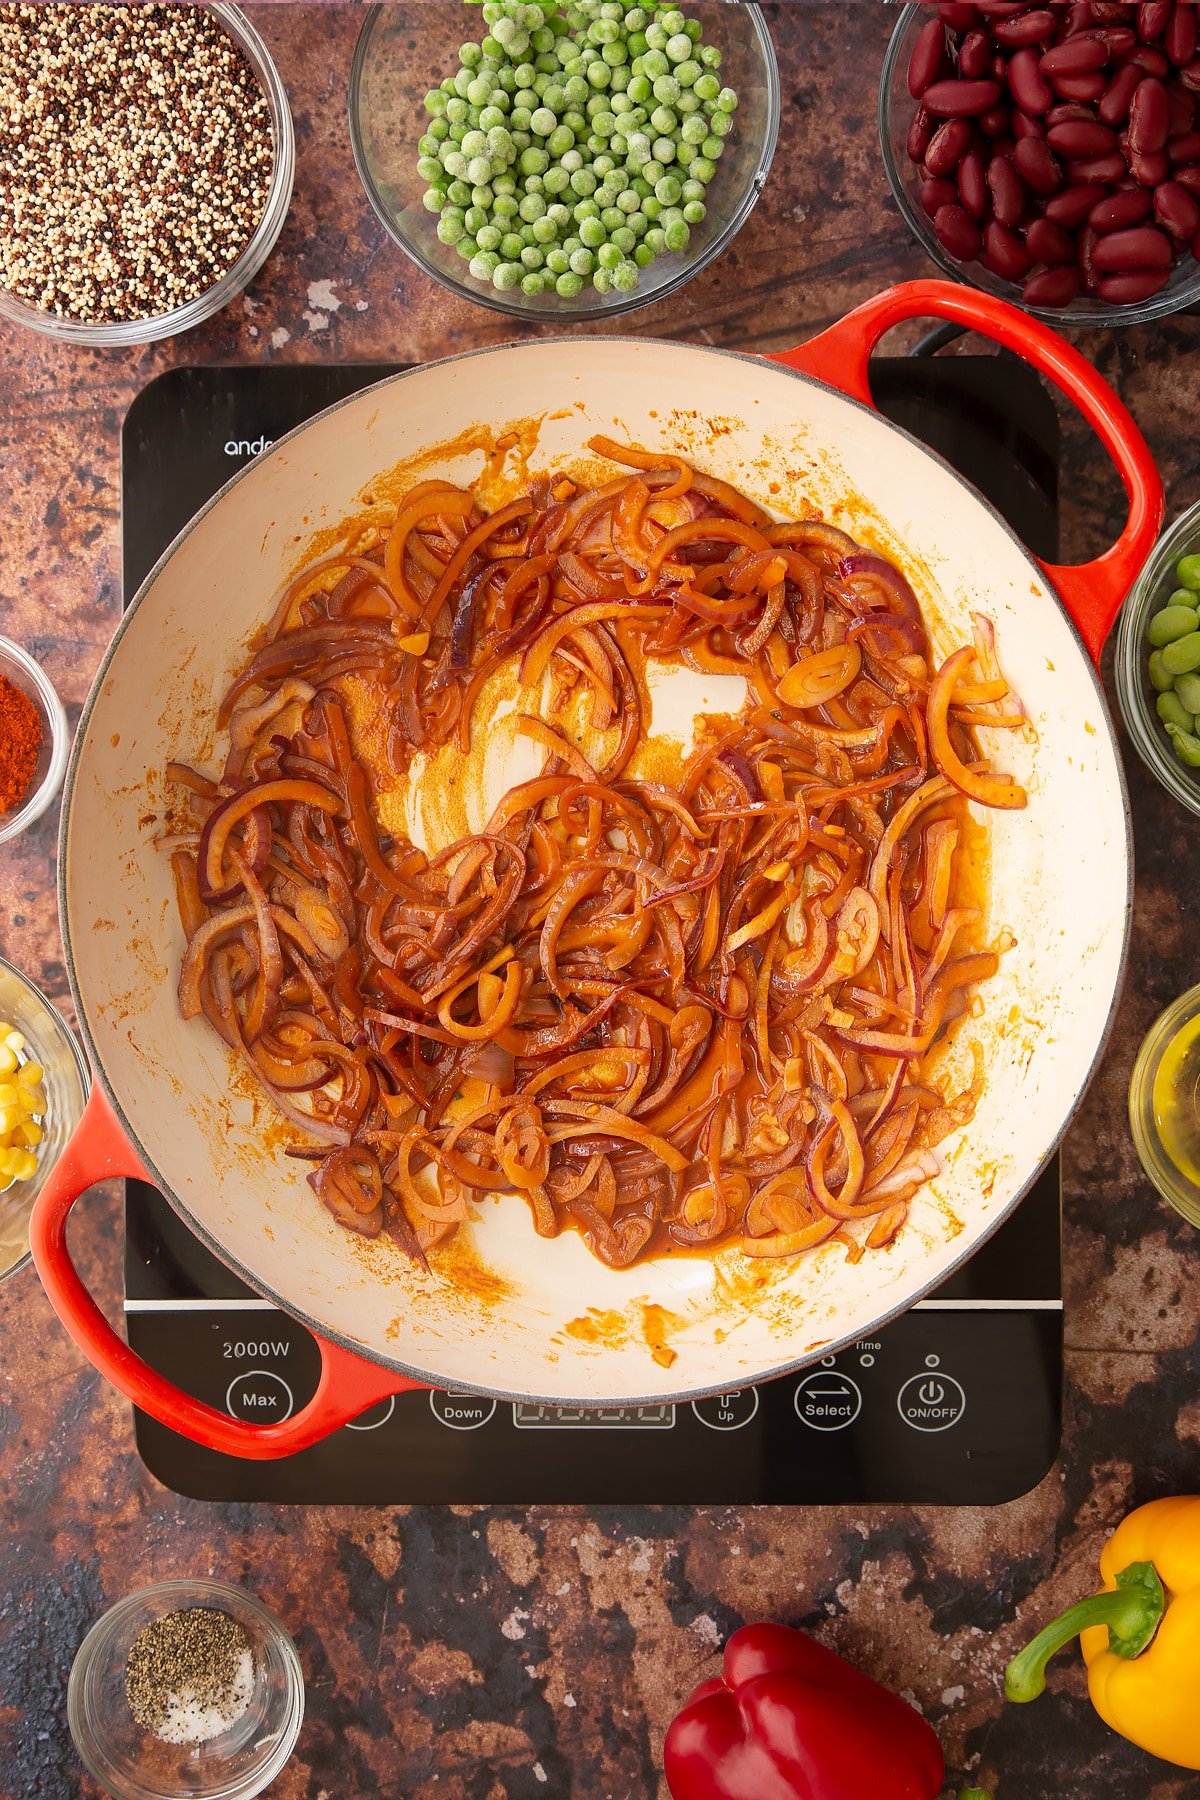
<point x="469" y="1653"/>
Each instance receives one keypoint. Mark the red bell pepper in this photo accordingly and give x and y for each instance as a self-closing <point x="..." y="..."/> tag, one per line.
<point x="789" y="1720"/>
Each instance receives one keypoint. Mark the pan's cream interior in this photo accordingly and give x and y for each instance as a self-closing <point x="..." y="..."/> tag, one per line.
<point x="509" y="1311"/>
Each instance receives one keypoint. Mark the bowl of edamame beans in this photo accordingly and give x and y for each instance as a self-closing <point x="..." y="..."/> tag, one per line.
<point x="570" y="158"/>
<point x="1158" y="661"/>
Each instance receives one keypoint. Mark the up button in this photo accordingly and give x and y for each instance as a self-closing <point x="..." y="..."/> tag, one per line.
<point x="931" y="1401"/>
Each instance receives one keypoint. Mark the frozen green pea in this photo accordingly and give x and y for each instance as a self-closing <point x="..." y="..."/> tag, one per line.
<point x="624" y="239"/>
<point x="602" y="281"/>
<point x="542" y="122"/>
<point x="510" y="246"/>
<point x="1187" y="746"/>
<point x="454" y="162"/>
<point x="1172" y="711"/>
<point x="652" y="209"/>
<point x="577" y="90"/>
<point x="483" y="264"/>
<point x="710" y="56"/>
<point x="450" y="228"/>
<point x="561" y="139"/>
<point x="712" y="148"/>
<point x="693" y="190"/>
<point x="694" y="212"/>
<point x="556" y="181"/>
<point x="687" y="103"/>
<point x="494" y="115"/>
<point x="628" y="201"/>
<point x="433" y="200"/>
<point x="602" y="31"/>
<point x="507" y="275"/>
<point x="655" y="63"/>
<point x="603" y="165"/>
<point x="639" y="90"/>
<point x="479" y="171"/>
<point x="585" y="209"/>
<point x="727" y="100"/>
<point x="668" y="190"/>
<point x="482" y="195"/>
<point x="612" y="218"/>
<point x="518" y="119"/>
<point x="656" y="240"/>
<point x="608" y="256"/>
<point x="625" y="277"/>
<point x="598" y="75"/>
<point x="475" y="219"/>
<point x="678" y="235"/>
<point x="554" y="95"/>
<point x="435" y="103"/>
<point x="703" y="169"/>
<point x="643" y="256"/>
<point x="582" y="261"/>
<point x="504" y="184"/>
<point x="557" y="261"/>
<point x="688" y="73"/>
<point x="1181" y="655"/>
<point x="429" y="168"/>
<point x="569" y="285"/>
<point x="488" y="237"/>
<point x="532" y="257"/>
<point x="533" y="160"/>
<point x="706" y="87"/>
<point x="591" y="233"/>
<point x="504" y="206"/>
<point x="721" y="124"/>
<point x="561" y="215"/>
<point x="545" y="231"/>
<point x="616" y="56"/>
<point x="439" y="131"/>
<point x="1175" y="620"/>
<point x="666" y="89"/>
<point x="639" y="224"/>
<point x="694" y="29"/>
<point x="664" y="151"/>
<point x="663" y="120"/>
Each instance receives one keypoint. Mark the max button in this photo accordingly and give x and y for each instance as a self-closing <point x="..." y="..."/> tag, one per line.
<point x="827" y="1400"/>
<point x="260" y="1396"/>
<point x="931" y="1402"/>
<point x="727" y="1412"/>
<point x="461" y="1412"/>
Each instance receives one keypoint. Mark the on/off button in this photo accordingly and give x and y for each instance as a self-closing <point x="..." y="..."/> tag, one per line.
<point x="931" y="1402"/>
<point x="260" y="1396"/>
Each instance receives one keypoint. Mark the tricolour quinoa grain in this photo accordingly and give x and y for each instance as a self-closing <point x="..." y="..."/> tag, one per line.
<point x="136" y="155"/>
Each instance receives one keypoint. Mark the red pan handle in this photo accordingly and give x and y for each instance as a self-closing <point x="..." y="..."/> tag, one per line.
<point x="98" y="1151"/>
<point x="1091" y="592"/>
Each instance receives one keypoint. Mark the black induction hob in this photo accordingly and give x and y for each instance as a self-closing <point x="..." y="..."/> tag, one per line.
<point x="957" y="1403"/>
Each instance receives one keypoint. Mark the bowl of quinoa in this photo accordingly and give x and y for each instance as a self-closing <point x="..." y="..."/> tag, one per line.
<point x="146" y="163"/>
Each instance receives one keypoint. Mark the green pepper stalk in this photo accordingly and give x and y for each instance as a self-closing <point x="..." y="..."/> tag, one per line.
<point x="1131" y="1611"/>
<point x="973" y="1794"/>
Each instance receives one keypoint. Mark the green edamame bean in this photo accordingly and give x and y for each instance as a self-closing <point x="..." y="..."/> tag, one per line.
<point x="1172" y="711"/>
<point x="1187" y="571"/>
<point x="1159" y="679"/>
<point x="1187" y="746"/>
<point x="1173" y="621"/>
<point x="1188" y="689"/>
<point x="1182" y="655"/>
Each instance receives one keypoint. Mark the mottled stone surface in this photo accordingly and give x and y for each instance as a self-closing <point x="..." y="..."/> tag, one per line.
<point x="475" y="1654"/>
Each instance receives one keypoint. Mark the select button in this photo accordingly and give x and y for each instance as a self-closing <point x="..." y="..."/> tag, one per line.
<point x="827" y="1400"/>
<point x="260" y="1396"/>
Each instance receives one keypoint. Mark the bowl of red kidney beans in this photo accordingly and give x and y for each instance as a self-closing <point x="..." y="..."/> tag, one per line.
<point x="1050" y="153"/>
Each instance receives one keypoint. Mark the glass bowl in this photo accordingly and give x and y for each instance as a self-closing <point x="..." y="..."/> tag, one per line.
<point x="403" y="51"/>
<point x="131" y="1763"/>
<point x="1135" y="695"/>
<point x="896" y="108"/>
<point x="27" y="675"/>
<point x="239" y="275"/>
<point x="1164" y="1098"/>
<point x="50" y="1042"/>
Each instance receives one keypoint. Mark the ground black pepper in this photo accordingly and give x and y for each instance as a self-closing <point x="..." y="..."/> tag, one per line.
<point x="136" y="156"/>
<point x="189" y="1674"/>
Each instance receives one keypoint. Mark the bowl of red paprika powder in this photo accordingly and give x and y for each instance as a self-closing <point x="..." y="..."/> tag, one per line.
<point x="34" y="739"/>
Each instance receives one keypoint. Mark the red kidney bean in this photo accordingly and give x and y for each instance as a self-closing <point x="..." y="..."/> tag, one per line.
<point x="995" y="122"/>
<point x="1076" y="57"/>
<point x="1176" y="211"/>
<point x="1083" y="169"/>
<point x="935" y="193"/>
<point x="947" y="147"/>
<point x="1069" y="109"/>
<point x="972" y="185"/>
<point x="1049" y="243"/>
<point x="1185" y="149"/>
<point x="1141" y="248"/>
<point x="1085" y="245"/>
<point x="1149" y="60"/>
<point x="1153" y="17"/>
<point x="1007" y="191"/>
<point x="1182" y="110"/>
<point x="1126" y="288"/>
<point x="1118" y="211"/>
<point x="974" y="55"/>
<point x="1081" y="87"/>
<point x="1179" y="41"/>
<point x="919" y="133"/>
<point x="1079" y="18"/>
<point x="1052" y="287"/>
<point x="1003" y="252"/>
<point x="1188" y="177"/>
<point x="957" y="233"/>
<point x="1114" y="101"/>
<point x="1026" y="83"/>
<point x="1025" y="125"/>
<point x="1036" y="167"/>
<point x="1000" y="9"/>
<point x="1072" y="206"/>
<point x="1120" y="40"/>
<point x="957" y="17"/>
<point x="928" y="59"/>
<point x="1077" y="137"/>
<point x="1150" y="168"/>
<point x="1149" y="117"/>
<point x="1025" y="28"/>
<point x="1190" y="76"/>
<point x="1110" y="12"/>
<point x="961" y="99"/>
<point x="998" y="70"/>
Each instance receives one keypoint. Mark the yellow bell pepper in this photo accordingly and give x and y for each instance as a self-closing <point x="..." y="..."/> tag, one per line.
<point x="1140" y="1635"/>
